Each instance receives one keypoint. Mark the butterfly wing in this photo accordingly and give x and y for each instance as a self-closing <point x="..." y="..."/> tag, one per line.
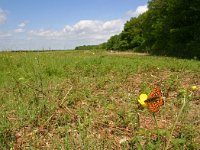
<point x="155" y="100"/>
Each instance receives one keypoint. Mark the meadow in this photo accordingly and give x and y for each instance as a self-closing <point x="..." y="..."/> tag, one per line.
<point x="89" y="100"/>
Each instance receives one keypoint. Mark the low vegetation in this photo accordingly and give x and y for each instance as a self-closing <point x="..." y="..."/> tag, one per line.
<point x="89" y="100"/>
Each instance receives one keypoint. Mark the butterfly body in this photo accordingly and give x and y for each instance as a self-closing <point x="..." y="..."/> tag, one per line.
<point x="155" y="100"/>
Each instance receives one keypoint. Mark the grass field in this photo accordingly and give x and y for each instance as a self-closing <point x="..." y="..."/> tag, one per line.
<point x="89" y="100"/>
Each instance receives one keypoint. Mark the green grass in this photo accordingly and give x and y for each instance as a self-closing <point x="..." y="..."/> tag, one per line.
<point x="88" y="100"/>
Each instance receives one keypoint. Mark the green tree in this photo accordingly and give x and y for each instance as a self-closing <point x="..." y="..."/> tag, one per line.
<point x="172" y="27"/>
<point x="156" y="29"/>
<point x="113" y="43"/>
<point x="184" y="22"/>
<point x="132" y="34"/>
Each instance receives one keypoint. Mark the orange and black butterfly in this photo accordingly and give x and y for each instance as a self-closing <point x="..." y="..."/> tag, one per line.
<point x="155" y="100"/>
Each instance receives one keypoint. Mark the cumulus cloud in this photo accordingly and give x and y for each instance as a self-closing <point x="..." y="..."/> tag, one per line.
<point x="139" y="10"/>
<point x="95" y="28"/>
<point x="21" y="27"/>
<point x="3" y="16"/>
<point x="84" y="29"/>
<point x="84" y="32"/>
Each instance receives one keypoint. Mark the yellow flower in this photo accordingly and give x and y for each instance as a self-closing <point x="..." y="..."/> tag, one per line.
<point x="194" y="88"/>
<point x="142" y="98"/>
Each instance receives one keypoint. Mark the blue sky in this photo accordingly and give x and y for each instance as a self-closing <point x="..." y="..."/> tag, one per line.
<point x="63" y="24"/>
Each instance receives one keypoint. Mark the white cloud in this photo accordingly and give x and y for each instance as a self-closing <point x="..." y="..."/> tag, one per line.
<point x="139" y="10"/>
<point x="19" y="30"/>
<point x="87" y="26"/>
<point x="5" y="34"/>
<point x="22" y="25"/>
<point x="3" y="16"/>
<point x="48" y="34"/>
<point x="94" y="29"/>
<point x="84" y="32"/>
<point x="90" y="31"/>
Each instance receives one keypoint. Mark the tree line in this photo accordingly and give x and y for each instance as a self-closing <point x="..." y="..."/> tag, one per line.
<point x="169" y="27"/>
<point x="92" y="47"/>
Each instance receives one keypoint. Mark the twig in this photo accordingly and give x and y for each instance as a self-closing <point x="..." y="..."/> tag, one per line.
<point x="65" y="96"/>
<point x="48" y="119"/>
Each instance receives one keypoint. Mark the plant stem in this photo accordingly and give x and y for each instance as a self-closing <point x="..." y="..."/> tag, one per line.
<point x="170" y="136"/>
<point x="138" y="120"/>
<point x="154" y="117"/>
<point x="155" y="120"/>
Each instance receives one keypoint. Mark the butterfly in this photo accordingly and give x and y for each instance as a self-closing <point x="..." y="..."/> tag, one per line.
<point x="154" y="100"/>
